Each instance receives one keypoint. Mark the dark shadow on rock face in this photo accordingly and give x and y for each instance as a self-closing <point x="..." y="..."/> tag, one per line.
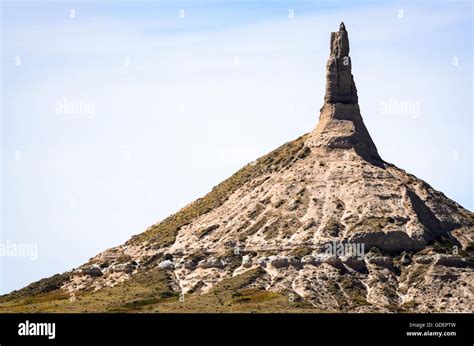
<point x="391" y="241"/>
<point x="428" y="218"/>
<point x="374" y="160"/>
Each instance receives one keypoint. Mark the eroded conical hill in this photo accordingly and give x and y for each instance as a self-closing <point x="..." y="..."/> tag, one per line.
<point x="259" y="240"/>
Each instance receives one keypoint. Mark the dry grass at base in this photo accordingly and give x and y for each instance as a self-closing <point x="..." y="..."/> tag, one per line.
<point x="150" y="292"/>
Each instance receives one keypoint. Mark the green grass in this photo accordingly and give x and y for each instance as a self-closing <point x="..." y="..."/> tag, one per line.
<point x="370" y="224"/>
<point x="150" y="291"/>
<point x="334" y="227"/>
<point x="40" y="287"/>
<point x="301" y="251"/>
<point x="468" y="252"/>
<point x="244" y="234"/>
<point x="355" y="290"/>
<point x="205" y="231"/>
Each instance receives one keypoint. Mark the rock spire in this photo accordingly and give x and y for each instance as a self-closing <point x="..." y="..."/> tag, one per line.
<point x="340" y="86"/>
<point x="340" y="123"/>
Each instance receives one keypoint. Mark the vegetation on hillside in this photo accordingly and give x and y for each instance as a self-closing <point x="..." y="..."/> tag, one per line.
<point x="164" y="232"/>
<point x="150" y="291"/>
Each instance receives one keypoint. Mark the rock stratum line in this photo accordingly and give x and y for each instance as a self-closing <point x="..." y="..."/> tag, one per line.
<point x="257" y="241"/>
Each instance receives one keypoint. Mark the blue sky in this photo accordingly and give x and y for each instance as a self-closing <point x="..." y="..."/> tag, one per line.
<point x="180" y="103"/>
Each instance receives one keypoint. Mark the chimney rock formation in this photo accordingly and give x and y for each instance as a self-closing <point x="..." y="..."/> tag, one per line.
<point x="340" y="123"/>
<point x="340" y="86"/>
<point x="276" y="227"/>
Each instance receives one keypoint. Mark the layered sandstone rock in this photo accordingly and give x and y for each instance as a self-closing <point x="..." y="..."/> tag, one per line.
<point x="279" y="214"/>
<point x="340" y="123"/>
<point x="340" y="86"/>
